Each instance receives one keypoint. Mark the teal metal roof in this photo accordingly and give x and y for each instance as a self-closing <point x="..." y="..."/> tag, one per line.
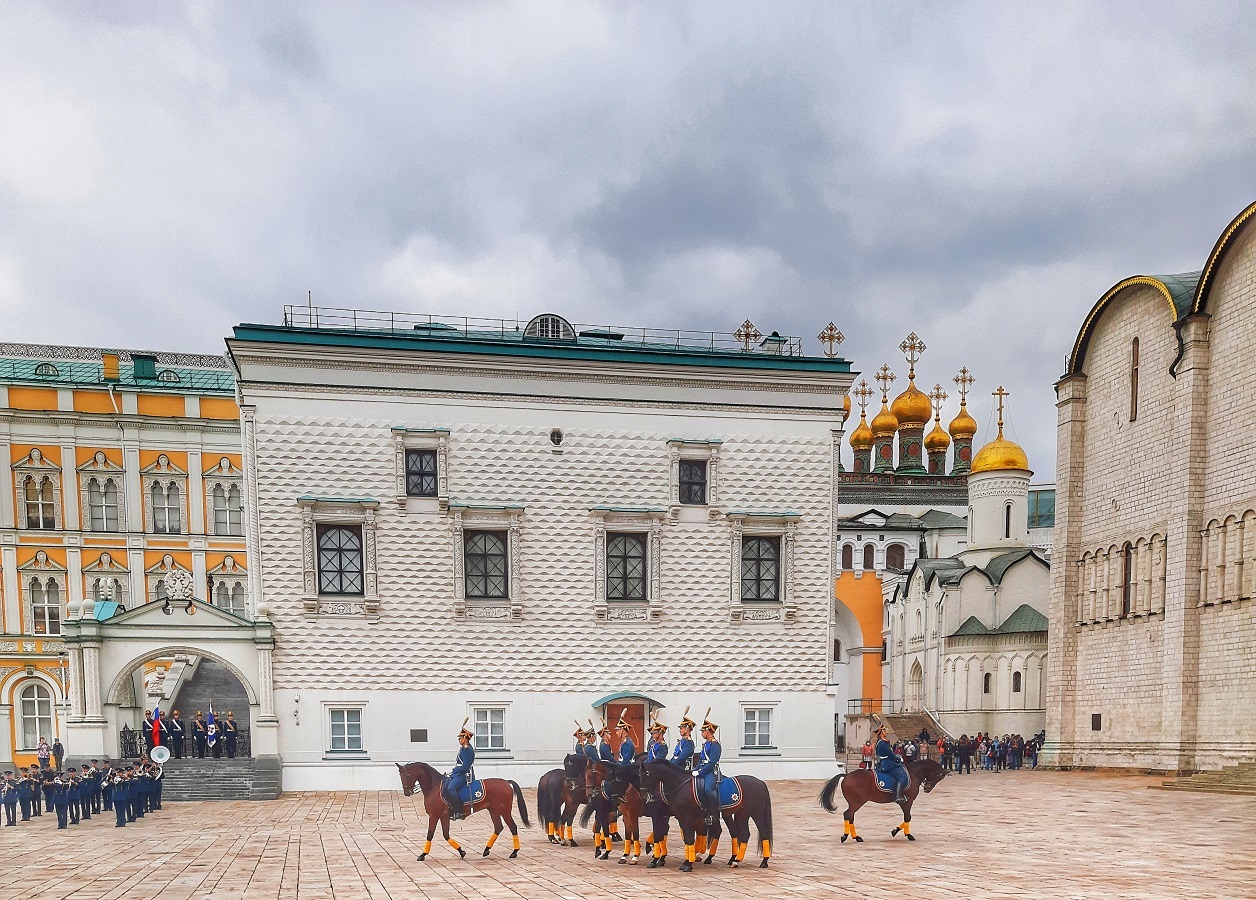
<point x="508" y="343"/>
<point x="626" y="695"/>
<point x="1181" y="288"/>
<point x="972" y="627"/>
<point x="998" y="567"/>
<point x="79" y="373"/>
<point x="1025" y="620"/>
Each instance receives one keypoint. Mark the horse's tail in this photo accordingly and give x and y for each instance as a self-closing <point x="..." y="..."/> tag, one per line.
<point x="765" y="824"/>
<point x="830" y="788"/>
<point x="586" y="813"/>
<point x="543" y="811"/>
<point x="523" y="806"/>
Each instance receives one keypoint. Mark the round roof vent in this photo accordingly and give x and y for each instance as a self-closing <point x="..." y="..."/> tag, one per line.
<point x="549" y="327"/>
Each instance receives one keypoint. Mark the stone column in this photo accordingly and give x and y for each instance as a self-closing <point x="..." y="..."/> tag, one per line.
<point x="71" y="506"/>
<point x="12" y="609"/>
<point x="196" y="498"/>
<point x="6" y="743"/>
<point x="1179" y="650"/>
<point x="1061" y="676"/>
<point x="93" y="711"/>
<point x="74" y="574"/>
<point x="76" y="683"/>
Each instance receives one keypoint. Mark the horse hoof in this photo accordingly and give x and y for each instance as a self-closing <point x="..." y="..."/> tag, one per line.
<point x="486" y="851"/>
<point x="858" y="839"/>
<point x="763" y="865"/>
<point x="623" y="860"/>
<point x="571" y="843"/>
<point x="894" y="832"/>
<point x="844" y="837"/>
<point x="707" y="861"/>
<point x="462" y="853"/>
<point x="514" y="854"/>
<point x="911" y="837"/>
<point x="686" y="866"/>
<point x="735" y="864"/>
<point x="634" y="861"/>
<point x="422" y="856"/>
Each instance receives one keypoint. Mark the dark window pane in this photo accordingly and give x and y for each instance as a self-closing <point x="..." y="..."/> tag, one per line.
<point x="485" y="565"/>
<point x="625" y="567"/>
<point x="421" y="473"/>
<point x="760" y="568"/>
<point x="693" y="481"/>
<point x="339" y="560"/>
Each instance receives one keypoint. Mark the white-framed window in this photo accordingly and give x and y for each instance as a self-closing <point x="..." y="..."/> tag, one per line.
<point x="165" y="497"/>
<point x="35" y="710"/>
<point x="38" y="499"/>
<point x="102" y="504"/>
<point x="344" y="729"/>
<point x="486" y="562"/>
<point x="231" y="597"/>
<point x="761" y="568"/>
<point x="486" y="565"/>
<point x="693" y="482"/>
<point x="420" y="462"/>
<point x="627" y="566"/>
<point x="628" y="546"/>
<point x="757" y="728"/>
<point x="45" y="600"/>
<point x="694" y="473"/>
<point x="489" y="725"/>
<point x="338" y="556"/>
<point x="224" y="498"/>
<point x="421" y="473"/>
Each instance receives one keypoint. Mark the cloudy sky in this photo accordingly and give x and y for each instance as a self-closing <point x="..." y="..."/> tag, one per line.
<point x="978" y="174"/>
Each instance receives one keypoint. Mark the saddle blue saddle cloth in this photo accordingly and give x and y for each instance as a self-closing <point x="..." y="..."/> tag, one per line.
<point x="884" y="781"/>
<point x="472" y="793"/>
<point x="730" y="792"/>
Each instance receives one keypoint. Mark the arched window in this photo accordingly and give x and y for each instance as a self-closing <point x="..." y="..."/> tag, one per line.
<point x="869" y="558"/>
<point x="35" y="702"/>
<point x="40" y="510"/>
<point x="159" y="590"/>
<point x="895" y="557"/>
<point x="166" y="515"/>
<point x="920" y="626"/>
<point x="1134" y="380"/>
<point x="1007" y="521"/>
<point x="235" y="510"/>
<point x="985" y="682"/>
<point x="219" y="496"/>
<point x="1016" y="682"/>
<point x="237" y="599"/>
<point x="102" y="505"/>
<point x="837" y="650"/>
<point x="45" y="600"/>
<point x="1127" y="579"/>
<point x="972" y="524"/>
<point x="848" y="557"/>
<point x="107" y="589"/>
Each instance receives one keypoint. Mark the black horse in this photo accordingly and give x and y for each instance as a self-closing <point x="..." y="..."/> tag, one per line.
<point x="660" y="819"/>
<point x="755" y="803"/>
<point x="860" y="787"/>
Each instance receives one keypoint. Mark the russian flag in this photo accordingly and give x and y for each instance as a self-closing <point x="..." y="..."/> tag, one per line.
<point x="211" y="729"/>
<point x="157" y="724"/>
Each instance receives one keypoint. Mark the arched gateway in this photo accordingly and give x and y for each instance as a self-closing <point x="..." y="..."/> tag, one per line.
<point x="112" y="664"/>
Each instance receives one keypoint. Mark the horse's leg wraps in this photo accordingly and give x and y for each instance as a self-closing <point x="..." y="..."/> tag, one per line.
<point x="691" y="853"/>
<point x="549" y="828"/>
<point x="569" y="832"/>
<point x="907" y="828"/>
<point x="492" y="839"/>
<point x="741" y="850"/>
<point x="516" y="840"/>
<point x="767" y="849"/>
<point x="710" y="850"/>
<point x="614" y="826"/>
<point x="736" y="843"/>
<point x="427" y="847"/>
<point x="455" y="844"/>
<point x="700" y="843"/>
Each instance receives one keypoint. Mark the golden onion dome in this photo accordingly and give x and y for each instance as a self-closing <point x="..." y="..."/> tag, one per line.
<point x="861" y="438"/>
<point x="1000" y="455"/>
<point x="912" y="407"/>
<point x="963" y="425"/>
<point x="885" y="422"/>
<point x="845" y="408"/>
<point x="937" y="439"/>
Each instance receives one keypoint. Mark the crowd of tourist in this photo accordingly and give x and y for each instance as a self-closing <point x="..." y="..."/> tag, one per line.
<point x="988" y="752"/>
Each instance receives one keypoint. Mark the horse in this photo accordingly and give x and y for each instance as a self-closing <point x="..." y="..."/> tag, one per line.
<point x="603" y="805"/>
<point x="655" y="806"/>
<point x="755" y="803"/>
<point x="860" y="787"/>
<point x="619" y="781"/>
<point x="549" y="803"/>
<point x="498" y="794"/>
<point x="559" y="794"/>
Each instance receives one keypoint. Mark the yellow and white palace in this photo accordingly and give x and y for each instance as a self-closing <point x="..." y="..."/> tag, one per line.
<point x="122" y="467"/>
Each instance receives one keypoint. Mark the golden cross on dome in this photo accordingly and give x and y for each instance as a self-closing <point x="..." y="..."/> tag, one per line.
<point x="964" y="380"/>
<point x="912" y="347"/>
<point x="747" y="334"/>
<point x="830" y="336"/>
<point x="863" y="392"/>
<point x="885" y="378"/>
<point x="938" y="396"/>
<point x="1001" y="394"/>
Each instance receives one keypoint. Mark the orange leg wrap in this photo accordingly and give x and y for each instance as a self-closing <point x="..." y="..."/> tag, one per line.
<point x="455" y="844"/>
<point x="741" y="852"/>
<point x="767" y="849"/>
<point x="570" y="833"/>
<point x="700" y="843"/>
<point x="427" y="847"/>
<point x="492" y="839"/>
<point x="710" y="851"/>
<point x="516" y="837"/>
<point x="691" y="854"/>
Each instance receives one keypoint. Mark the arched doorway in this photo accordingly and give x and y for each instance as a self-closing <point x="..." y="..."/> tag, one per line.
<point x="915" y="697"/>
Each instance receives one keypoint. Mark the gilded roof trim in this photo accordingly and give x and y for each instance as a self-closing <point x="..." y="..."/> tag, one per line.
<point x="1077" y="357"/>
<point x="1219" y="250"/>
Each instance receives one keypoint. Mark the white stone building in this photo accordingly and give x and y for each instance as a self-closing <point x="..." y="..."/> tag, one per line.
<point x="966" y="634"/>
<point x="523" y="527"/>
<point x="1153" y="638"/>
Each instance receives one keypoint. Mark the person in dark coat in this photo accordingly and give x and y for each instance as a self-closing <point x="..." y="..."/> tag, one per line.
<point x="200" y="734"/>
<point x="175" y="727"/>
<point x="229" y="733"/>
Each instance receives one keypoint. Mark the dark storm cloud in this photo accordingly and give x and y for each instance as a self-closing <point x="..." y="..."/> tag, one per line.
<point x="978" y="174"/>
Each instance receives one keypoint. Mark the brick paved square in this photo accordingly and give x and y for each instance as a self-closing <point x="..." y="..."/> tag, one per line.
<point x="1030" y="834"/>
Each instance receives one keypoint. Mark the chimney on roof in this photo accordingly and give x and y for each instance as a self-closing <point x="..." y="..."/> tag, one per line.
<point x="110" y="365"/>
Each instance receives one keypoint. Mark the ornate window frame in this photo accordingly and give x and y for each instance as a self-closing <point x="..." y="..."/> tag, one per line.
<point x="224" y="474"/>
<point x="103" y="469"/>
<point x="608" y="519"/>
<point x="690" y="449"/>
<point x="106" y="567"/>
<point x="162" y="570"/>
<point x="232" y="574"/>
<point x="421" y="439"/>
<point x="763" y="524"/>
<point x="165" y="473"/>
<point x="43" y="567"/>
<point x="475" y="517"/>
<point x="360" y="511"/>
<point x="36" y="465"/>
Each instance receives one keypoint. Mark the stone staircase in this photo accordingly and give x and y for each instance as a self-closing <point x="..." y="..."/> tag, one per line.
<point x="1239" y="779"/>
<point x="211" y="683"/>
<point x="904" y="726"/>
<point x="207" y="779"/>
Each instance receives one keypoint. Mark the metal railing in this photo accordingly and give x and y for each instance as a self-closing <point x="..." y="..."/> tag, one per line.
<point x="467" y="327"/>
<point x="131" y="744"/>
<point x="867" y="706"/>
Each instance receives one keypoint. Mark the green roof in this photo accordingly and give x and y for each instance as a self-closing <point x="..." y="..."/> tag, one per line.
<point x="1181" y="288"/>
<point x="998" y="567"/>
<point x="972" y="626"/>
<point x="1024" y="620"/>
<point x="81" y="373"/>
<point x="509" y="343"/>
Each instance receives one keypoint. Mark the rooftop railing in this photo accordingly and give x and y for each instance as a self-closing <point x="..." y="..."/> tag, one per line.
<point x="486" y="329"/>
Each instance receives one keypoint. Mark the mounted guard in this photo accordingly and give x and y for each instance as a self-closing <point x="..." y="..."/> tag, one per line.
<point x="889" y="765"/>
<point x="461" y="775"/>
<point x="683" y="754"/>
<point x="708" y="770"/>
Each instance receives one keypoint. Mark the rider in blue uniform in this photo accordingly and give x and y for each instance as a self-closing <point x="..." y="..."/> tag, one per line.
<point x="890" y="765"/>
<point x="590" y="743"/>
<point x="460" y="775"/>
<point x="683" y="754"/>
<point x="708" y="770"/>
<point x="627" y="748"/>
<point x="657" y="749"/>
<point x="605" y="751"/>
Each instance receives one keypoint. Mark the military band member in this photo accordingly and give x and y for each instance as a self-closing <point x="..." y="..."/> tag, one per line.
<point x="107" y="785"/>
<point x="61" y="799"/>
<point x="98" y="786"/>
<point x="118" y="796"/>
<point x="175" y="727"/>
<point x="229" y="730"/>
<point x="25" y="788"/>
<point x="683" y="754"/>
<point x="8" y="796"/>
<point x="657" y="749"/>
<point x="708" y="770"/>
<point x="148" y="732"/>
<point x="200" y="734"/>
<point x="460" y="775"/>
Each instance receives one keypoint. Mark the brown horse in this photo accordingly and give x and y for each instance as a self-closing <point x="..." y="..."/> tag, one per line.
<point x="559" y="794"/>
<point x="620" y="793"/>
<point x="498" y="794"/>
<point x="860" y="787"/>
<point x="755" y="803"/>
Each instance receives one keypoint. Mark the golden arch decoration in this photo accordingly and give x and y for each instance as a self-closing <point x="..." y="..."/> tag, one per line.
<point x="1219" y="250"/>
<point x="1078" y="356"/>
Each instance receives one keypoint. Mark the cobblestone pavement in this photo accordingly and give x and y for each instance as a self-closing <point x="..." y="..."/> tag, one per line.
<point x="1029" y="834"/>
